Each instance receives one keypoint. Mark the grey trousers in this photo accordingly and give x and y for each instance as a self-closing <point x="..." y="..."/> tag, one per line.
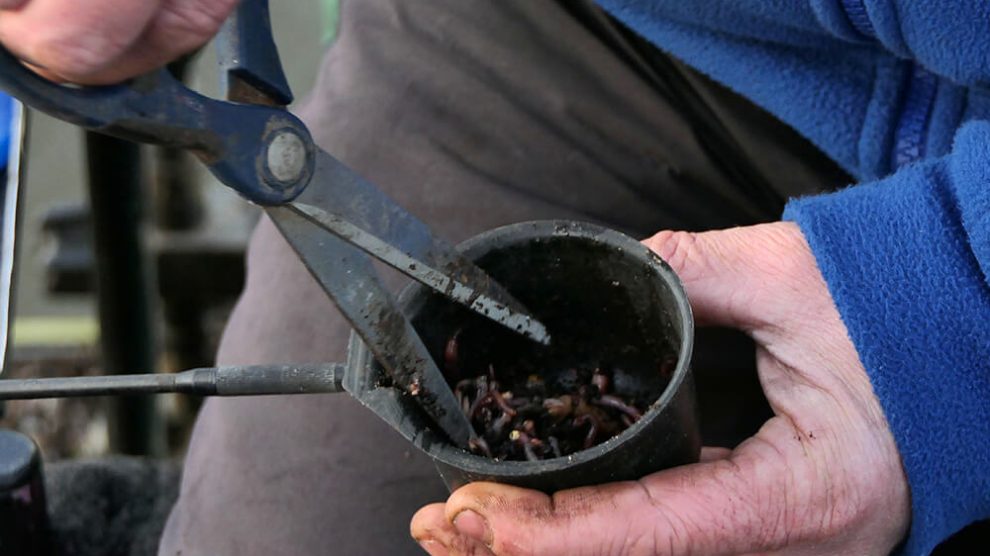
<point x="472" y="114"/>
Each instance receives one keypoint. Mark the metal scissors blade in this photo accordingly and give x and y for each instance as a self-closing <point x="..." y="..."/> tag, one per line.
<point x="342" y="202"/>
<point x="339" y="200"/>
<point x="347" y="276"/>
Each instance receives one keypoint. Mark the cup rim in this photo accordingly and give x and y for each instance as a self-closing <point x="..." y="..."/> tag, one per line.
<point x="512" y="234"/>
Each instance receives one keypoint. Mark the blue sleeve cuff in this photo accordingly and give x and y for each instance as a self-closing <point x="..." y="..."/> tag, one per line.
<point x="906" y="261"/>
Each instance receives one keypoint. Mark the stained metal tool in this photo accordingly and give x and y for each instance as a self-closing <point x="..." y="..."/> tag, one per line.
<point x="331" y="216"/>
<point x="248" y="380"/>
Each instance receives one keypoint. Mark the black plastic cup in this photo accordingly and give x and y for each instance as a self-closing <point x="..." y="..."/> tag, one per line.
<point x="605" y="298"/>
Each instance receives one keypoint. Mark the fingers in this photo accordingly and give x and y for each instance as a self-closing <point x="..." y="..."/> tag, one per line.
<point x="180" y="27"/>
<point x="435" y="534"/>
<point x="108" y="41"/>
<point x="747" y="278"/>
<point x="765" y="281"/>
<point x="75" y="39"/>
<point x="728" y="506"/>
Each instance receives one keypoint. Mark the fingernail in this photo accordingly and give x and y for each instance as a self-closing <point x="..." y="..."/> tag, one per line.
<point x="470" y="524"/>
<point x="433" y="548"/>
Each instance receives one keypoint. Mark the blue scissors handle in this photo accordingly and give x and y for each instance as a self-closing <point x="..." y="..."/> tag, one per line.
<point x="235" y="140"/>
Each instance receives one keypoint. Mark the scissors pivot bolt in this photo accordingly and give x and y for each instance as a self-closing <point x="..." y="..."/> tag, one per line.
<point x="286" y="157"/>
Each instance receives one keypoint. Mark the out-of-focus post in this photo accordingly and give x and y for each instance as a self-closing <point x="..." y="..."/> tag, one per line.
<point x="123" y="288"/>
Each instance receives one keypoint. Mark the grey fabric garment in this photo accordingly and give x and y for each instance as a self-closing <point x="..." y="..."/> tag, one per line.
<point x="472" y="114"/>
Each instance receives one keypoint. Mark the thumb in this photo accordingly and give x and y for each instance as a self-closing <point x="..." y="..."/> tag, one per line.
<point x="726" y="506"/>
<point x="746" y="278"/>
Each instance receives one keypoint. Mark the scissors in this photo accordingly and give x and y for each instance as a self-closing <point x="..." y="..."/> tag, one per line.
<point x="333" y="218"/>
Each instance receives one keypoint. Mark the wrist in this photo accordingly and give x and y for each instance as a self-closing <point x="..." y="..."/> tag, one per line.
<point x="915" y="304"/>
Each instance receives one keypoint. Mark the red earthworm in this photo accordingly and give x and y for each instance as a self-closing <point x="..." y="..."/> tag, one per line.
<point x="479" y="404"/>
<point x="524" y="440"/>
<point x="502" y="404"/>
<point x="451" y="355"/>
<point x="478" y="444"/>
<point x="558" y="408"/>
<point x="482" y="384"/>
<point x="499" y="425"/>
<point x="464" y="385"/>
<point x="582" y="407"/>
<point x="461" y="394"/>
<point x="530" y="453"/>
<point x="516" y="401"/>
<point x="589" y="439"/>
<point x="616" y="403"/>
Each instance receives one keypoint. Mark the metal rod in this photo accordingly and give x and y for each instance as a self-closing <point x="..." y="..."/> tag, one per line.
<point x="252" y="380"/>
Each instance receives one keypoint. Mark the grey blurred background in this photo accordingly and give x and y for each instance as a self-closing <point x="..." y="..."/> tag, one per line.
<point x="111" y="467"/>
<point x="58" y="334"/>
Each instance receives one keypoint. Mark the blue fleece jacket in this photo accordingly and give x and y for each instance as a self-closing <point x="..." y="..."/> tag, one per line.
<point x="898" y="93"/>
<point x="6" y="115"/>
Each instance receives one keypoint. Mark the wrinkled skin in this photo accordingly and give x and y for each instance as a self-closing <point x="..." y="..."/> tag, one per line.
<point x="106" y="41"/>
<point x="823" y="476"/>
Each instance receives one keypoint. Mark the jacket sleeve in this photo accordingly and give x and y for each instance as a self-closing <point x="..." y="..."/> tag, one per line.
<point x="952" y="40"/>
<point x="907" y="261"/>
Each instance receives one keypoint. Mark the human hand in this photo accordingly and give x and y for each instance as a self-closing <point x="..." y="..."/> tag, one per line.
<point x="106" y="41"/>
<point x="823" y="476"/>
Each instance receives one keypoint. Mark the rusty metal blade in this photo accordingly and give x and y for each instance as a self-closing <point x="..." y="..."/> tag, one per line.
<point x="347" y="205"/>
<point x="346" y="274"/>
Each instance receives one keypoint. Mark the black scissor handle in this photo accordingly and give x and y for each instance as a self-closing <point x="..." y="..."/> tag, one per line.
<point x="231" y="139"/>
